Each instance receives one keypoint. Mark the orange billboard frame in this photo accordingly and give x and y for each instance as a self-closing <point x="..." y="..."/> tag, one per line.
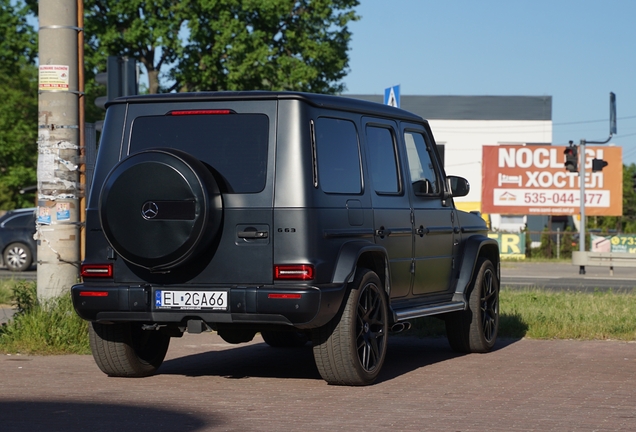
<point x="532" y="180"/>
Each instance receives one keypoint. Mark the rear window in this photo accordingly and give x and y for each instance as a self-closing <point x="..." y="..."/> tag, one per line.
<point x="235" y="145"/>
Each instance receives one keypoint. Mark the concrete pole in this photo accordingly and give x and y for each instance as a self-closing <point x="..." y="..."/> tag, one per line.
<point x="57" y="227"/>
<point x="582" y="159"/>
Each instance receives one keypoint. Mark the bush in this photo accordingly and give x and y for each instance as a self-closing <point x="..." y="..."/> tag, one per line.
<point x="547" y="245"/>
<point x="25" y="296"/>
<point x="566" y="243"/>
<point x="49" y="328"/>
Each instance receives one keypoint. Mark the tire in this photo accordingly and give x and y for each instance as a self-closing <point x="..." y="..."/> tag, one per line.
<point x="125" y="350"/>
<point x="475" y="330"/>
<point x="285" y="339"/>
<point x="351" y="349"/>
<point x="17" y="257"/>
<point x="160" y="208"/>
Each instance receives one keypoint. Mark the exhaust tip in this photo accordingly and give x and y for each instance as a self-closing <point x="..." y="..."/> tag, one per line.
<point x="400" y="327"/>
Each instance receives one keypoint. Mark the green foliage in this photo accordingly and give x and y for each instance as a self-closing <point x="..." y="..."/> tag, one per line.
<point x="267" y="45"/>
<point x="566" y="243"/>
<point x="571" y="315"/>
<point x="18" y="40"/>
<point x="6" y="291"/>
<point x="18" y="111"/>
<point x="542" y="314"/>
<point x="51" y="328"/>
<point x="195" y="45"/>
<point x="627" y="222"/>
<point x="25" y="296"/>
<point x="547" y="245"/>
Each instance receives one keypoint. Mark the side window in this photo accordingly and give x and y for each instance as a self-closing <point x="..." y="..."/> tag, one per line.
<point x="383" y="160"/>
<point x="338" y="156"/>
<point x="424" y="178"/>
<point x="19" y="221"/>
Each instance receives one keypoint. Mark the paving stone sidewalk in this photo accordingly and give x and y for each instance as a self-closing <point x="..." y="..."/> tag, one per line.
<point x="208" y="385"/>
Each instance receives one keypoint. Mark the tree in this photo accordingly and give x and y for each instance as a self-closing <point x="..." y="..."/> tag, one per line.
<point x="19" y="107"/>
<point x="266" y="45"/>
<point x="627" y="222"/>
<point x="148" y="32"/>
<point x="193" y="45"/>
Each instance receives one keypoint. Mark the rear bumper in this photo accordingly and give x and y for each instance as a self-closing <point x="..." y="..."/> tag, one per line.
<point x="316" y="306"/>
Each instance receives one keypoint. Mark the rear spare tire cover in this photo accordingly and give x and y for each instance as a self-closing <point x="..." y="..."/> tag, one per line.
<point x="159" y="208"/>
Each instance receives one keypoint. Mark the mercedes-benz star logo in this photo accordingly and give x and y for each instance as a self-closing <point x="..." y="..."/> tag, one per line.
<point x="149" y="210"/>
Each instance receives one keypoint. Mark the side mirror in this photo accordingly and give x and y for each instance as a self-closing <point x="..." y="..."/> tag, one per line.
<point x="458" y="186"/>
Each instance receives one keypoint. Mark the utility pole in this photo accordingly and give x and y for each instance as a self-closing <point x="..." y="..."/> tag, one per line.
<point x="58" y="221"/>
<point x="583" y="222"/>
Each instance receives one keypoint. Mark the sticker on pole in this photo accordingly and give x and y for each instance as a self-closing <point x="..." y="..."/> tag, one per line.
<point x="63" y="211"/>
<point x="53" y="78"/>
<point x="44" y="216"/>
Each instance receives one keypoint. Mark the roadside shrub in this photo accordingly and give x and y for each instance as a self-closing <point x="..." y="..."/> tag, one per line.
<point x="25" y="296"/>
<point x="49" y="328"/>
<point x="566" y="243"/>
<point x="547" y="244"/>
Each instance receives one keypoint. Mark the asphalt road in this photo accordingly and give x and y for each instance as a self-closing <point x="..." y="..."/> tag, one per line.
<point x="565" y="276"/>
<point x="28" y="275"/>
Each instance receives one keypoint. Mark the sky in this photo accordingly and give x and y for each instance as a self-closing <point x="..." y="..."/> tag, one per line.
<point x="577" y="51"/>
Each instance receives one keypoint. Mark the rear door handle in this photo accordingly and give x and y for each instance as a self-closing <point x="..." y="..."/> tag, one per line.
<point x="253" y="234"/>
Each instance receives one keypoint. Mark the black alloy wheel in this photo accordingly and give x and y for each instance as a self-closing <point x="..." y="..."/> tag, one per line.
<point x="371" y="327"/>
<point x="350" y="350"/>
<point x="489" y="304"/>
<point x="475" y="329"/>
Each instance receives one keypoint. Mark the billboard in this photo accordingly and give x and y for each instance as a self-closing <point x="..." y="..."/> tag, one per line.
<point x="532" y="180"/>
<point x="620" y="243"/>
<point x="511" y="245"/>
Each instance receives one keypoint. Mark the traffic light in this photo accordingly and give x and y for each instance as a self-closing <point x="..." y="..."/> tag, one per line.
<point x="598" y="165"/>
<point x="634" y="182"/>
<point x="120" y="79"/>
<point x="571" y="158"/>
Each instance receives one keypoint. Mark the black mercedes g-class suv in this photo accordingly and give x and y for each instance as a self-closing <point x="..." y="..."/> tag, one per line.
<point x="303" y="217"/>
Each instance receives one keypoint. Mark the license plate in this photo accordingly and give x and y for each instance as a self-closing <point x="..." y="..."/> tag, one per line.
<point x="194" y="300"/>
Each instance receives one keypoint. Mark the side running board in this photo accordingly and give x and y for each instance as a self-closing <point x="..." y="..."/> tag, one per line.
<point x="422" y="311"/>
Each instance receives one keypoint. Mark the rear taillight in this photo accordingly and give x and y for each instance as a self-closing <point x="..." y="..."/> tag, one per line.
<point x="97" y="270"/>
<point x="93" y="294"/>
<point x="294" y="272"/>
<point x="200" y="112"/>
<point x="284" y="296"/>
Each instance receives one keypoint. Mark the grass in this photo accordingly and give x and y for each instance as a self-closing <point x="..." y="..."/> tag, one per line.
<point x="55" y="328"/>
<point x="50" y="328"/>
<point x="541" y="314"/>
<point x="6" y="291"/>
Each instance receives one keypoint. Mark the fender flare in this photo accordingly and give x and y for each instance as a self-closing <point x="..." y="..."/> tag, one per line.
<point x="474" y="247"/>
<point x="348" y="257"/>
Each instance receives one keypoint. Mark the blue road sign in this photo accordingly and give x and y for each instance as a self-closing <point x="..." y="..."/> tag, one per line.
<point x="392" y="96"/>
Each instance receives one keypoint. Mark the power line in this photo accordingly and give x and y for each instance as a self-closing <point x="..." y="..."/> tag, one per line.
<point x="591" y="121"/>
<point x="525" y="128"/>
